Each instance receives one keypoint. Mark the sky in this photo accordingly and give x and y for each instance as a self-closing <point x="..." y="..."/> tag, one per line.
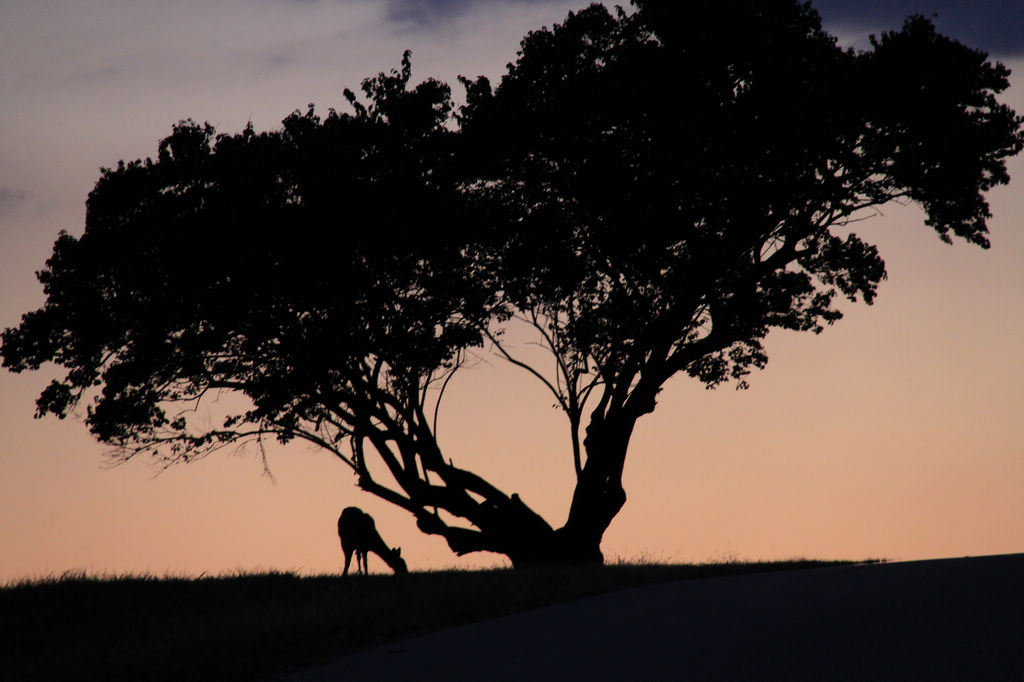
<point x="895" y="434"/>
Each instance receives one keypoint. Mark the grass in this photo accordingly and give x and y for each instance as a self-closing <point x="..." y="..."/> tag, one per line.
<point x="253" y="626"/>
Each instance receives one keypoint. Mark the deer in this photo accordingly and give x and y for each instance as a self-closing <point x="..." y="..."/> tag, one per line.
<point x="358" y="533"/>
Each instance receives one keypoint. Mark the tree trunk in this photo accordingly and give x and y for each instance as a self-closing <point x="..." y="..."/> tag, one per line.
<point x="506" y="525"/>
<point x="599" y="495"/>
<point x="512" y="528"/>
<point x="515" y="530"/>
<point x="597" y="499"/>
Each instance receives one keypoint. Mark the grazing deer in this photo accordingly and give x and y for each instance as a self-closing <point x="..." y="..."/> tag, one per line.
<point x="358" y="534"/>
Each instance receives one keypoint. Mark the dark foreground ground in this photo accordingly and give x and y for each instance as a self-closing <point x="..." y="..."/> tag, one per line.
<point x="252" y="626"/>
<point x="950" y="619"/>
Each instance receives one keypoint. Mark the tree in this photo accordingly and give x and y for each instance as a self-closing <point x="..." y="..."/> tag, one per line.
<point x="683" y="179"/>
<point x="333" y="274"/>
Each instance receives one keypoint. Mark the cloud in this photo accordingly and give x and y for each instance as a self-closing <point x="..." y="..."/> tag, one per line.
<point x="430" y="13"/>
<point x="996" y="26"/>
<point x="11" y="200"/>
<point x="425" y="11"/>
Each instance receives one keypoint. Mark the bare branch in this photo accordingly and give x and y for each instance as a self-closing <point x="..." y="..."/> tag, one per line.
<point x="519" y="363"/>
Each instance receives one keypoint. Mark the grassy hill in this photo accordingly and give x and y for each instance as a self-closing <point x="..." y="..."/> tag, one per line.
<point x="250" y="627"/>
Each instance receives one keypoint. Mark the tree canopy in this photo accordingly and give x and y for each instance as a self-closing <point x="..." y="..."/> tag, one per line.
<point x="652" y="191"/>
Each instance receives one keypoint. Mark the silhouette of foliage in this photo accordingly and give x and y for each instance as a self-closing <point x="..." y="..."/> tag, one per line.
<point x="319" y="270"/>
<point x="652" y="192"/>
<point x="681" y="180"/>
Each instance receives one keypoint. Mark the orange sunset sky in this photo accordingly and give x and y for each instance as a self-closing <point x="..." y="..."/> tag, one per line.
<point x="898" y="433"/>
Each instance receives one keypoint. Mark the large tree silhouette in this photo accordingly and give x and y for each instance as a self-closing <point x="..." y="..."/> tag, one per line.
<point x="682" y="180"/>
<point x="651" y="192"/>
